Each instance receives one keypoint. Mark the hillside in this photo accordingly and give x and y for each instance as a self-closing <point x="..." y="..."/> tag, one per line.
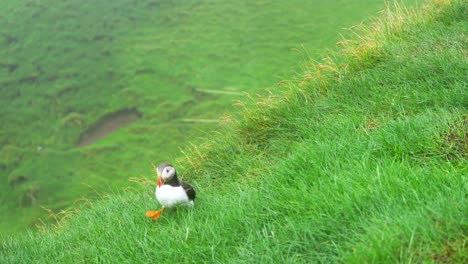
<point x="363" y="159"/>
<point x="92" y="93"/>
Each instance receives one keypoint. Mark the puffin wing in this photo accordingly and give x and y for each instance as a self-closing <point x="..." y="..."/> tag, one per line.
<point x="189" y="191"/>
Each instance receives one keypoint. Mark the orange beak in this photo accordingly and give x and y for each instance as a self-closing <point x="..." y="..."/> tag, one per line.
<point x="159" y="182"/>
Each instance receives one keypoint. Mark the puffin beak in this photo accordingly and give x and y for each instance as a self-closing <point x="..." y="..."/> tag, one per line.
<point x="159" y="181"/>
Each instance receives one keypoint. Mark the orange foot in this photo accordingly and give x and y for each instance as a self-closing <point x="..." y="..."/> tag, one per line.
<point x="155" y="214"/>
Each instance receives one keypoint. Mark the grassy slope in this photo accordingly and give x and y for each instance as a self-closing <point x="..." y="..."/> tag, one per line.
<point x="65" y="64"/>
<point x="360" y="162"/>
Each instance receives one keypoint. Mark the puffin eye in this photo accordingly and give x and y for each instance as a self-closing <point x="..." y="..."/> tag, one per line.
<point x="167" y="170"/>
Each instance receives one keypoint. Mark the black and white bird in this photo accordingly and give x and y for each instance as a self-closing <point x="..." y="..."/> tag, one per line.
<point x="170" y="191"/>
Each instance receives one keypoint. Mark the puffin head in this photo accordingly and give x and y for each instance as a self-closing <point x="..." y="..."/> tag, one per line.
<point x="166" y="172"/>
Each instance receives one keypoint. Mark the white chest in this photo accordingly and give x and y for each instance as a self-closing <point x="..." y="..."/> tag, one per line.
<point x="169" y="196"/>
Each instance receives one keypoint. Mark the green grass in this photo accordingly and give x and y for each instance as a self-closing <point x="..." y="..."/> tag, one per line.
<point x="362" y="160"/>
<point x="66" y="64"/>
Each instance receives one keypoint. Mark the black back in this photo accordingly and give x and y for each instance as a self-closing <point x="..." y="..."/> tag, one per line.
<point x="189" y="190"/>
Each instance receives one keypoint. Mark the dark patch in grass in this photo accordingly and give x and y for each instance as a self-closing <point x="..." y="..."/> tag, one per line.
<point x="144" y="71"/>
<point x="10" y="66"/>
<point x="29" y="197"/>
<point x="103" y="37"/>
<point x="153" y="4"/>
<point x="450" y="252"/>
<point x="9" y="39"/>
<point x="67" y="89"/>
<point x="52" y="77"/>
<point x="28" y="79"/>
<point x="455" y="141"/>
<point x="5" y="84"/>
<point x="15" y="180"/>
<point x="71" y="75"/>
<point x="108" y="124"/>
<point x="106" y="53"/>
<point x="39" y="69"/>
<point x="111" y="74"/>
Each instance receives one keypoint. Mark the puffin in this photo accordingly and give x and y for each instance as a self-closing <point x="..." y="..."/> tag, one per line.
<point x="170" y="191"/>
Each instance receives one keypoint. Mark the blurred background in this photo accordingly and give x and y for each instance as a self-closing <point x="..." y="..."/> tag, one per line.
<point x="93" y="92"/>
